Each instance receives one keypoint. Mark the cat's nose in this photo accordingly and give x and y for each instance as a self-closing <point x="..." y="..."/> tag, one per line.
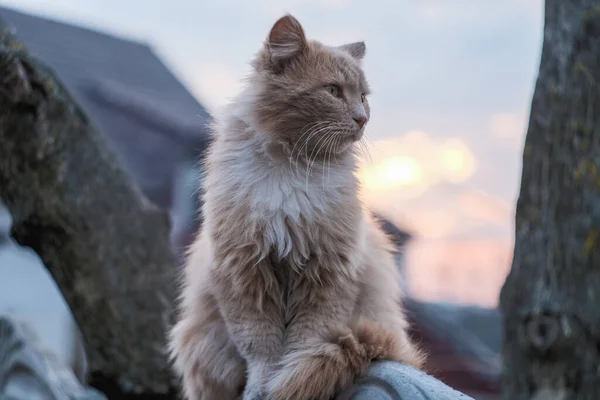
<point x="360" y="121"/>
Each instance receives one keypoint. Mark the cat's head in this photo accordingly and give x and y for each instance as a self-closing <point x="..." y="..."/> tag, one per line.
<point x="310" y="95"/>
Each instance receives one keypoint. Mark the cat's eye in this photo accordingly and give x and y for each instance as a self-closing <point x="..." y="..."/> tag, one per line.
<point x="334" y="90"/>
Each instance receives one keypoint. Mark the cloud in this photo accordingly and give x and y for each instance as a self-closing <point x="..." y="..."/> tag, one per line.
<point x="464" y="271"/>
<point x="485" y="208"/>
<point x="215" y="83"/>
<point x="475" y="12"/>
<point x="338" y="36"/>
<point x="449" y="212"/>
<point x="456" y="162"/>
<point x="434" y="223"/>
<point x="414" y="162"/>
<point x="507" y="126"/>
<point x="455" y="173"/>
<point x="421" y="182"/>
<point x="430" y="12"/>
<point x="280" y="6"/>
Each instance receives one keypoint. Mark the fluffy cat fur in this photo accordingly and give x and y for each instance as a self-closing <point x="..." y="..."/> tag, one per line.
<point x="290" y="289"/>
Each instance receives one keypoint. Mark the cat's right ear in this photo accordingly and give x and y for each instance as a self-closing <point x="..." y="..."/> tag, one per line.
<point x="286" y="41"/>
<point x="356" y="49"/>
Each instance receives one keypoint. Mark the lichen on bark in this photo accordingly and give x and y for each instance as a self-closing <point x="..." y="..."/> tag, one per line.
<point x="550" y="298"/>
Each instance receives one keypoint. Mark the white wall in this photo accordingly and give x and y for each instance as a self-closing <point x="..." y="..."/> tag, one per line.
<point x="28" y="290"/>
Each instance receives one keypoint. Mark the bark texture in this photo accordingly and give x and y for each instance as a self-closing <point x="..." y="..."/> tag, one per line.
<point x="107" y="247"/>
<point x="551" y="298"/>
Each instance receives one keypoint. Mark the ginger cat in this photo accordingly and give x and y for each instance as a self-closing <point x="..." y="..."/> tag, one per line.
<point x="290" y="289"/>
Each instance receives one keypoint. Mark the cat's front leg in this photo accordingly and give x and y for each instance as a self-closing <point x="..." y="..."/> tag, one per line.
<point x="257" y="374"/>
<point x="250" y="302"/>
<point x="321" y="354"/>
<point x="379" y="321"/>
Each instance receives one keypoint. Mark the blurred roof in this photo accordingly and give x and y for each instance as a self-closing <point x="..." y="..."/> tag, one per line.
<point x="153" y="122"/>
<point x="463" y="344"/>
<point x="399" y="237"/>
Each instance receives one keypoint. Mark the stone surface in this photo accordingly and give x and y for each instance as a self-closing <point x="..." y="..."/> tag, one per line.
<point x="396" y="381"/>
<point x="5" y="223"/>
<point x="29" y="371"/>
<point x="105" y="245"/>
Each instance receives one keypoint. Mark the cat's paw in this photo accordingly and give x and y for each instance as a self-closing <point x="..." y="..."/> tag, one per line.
<point x="318" y="369"/>
<point x="380" y="343"/>
<point x="254" y="393"/>
<point x="254" y="396"/>
<point x="256" y="378"/>
<point x="354" y="351"/>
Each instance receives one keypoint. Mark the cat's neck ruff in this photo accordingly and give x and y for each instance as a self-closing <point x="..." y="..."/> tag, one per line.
<point x="277" y="190"/>
<point x="293" y="162"/>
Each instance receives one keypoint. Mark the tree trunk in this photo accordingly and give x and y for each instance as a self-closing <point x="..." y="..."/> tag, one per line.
<point x="105" y="245"/>
<point x="551" y="297"/>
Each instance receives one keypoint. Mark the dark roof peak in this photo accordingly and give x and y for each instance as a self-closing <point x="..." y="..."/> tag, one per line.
<point x="56" y="21"/>
<point x="399" y="236"/>
<point x="152" y="121"/>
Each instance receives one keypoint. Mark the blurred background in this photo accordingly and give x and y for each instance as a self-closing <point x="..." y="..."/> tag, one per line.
<point x="452" y="82"/>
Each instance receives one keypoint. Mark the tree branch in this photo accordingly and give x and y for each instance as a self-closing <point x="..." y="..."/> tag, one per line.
<point x="550" y="298"/>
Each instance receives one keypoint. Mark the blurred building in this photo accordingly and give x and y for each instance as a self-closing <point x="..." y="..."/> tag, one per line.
<point x="128" y="93"/>
<point x="155" y="126"/>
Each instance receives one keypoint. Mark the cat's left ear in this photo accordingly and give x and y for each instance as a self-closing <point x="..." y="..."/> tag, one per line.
<point x="286" y="40"/>
<point x="356" y="49"/>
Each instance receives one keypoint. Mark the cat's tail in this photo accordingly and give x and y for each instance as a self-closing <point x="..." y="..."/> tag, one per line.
<point x="318" y="369"/>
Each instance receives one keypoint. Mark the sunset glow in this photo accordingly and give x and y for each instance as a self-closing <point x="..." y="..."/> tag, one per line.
<point x="392" y="173"/>
<point x="410" y="165"/>
<point x="456" y="161"/>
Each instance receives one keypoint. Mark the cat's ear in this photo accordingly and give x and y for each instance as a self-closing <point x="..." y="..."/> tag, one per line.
<point x="356" y="49"/>
<point x="286" y="40"/>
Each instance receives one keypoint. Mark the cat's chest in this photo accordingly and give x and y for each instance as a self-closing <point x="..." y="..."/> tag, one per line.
<point x="287" y="195"/>
<point x="291" y="207"/>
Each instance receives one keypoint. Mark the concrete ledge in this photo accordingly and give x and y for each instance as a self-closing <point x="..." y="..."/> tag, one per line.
<point x="395" y="381"/>
<point x="28" y="371"/>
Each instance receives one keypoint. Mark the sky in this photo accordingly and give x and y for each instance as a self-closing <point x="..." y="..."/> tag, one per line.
<point x="452" y="83"/>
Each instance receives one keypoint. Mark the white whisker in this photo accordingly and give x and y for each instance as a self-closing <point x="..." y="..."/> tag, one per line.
<point x="314" y="129"/>
<point x="316" y="150"/>
<point x="327" y="156"/>
<point x="322" y="133"/>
